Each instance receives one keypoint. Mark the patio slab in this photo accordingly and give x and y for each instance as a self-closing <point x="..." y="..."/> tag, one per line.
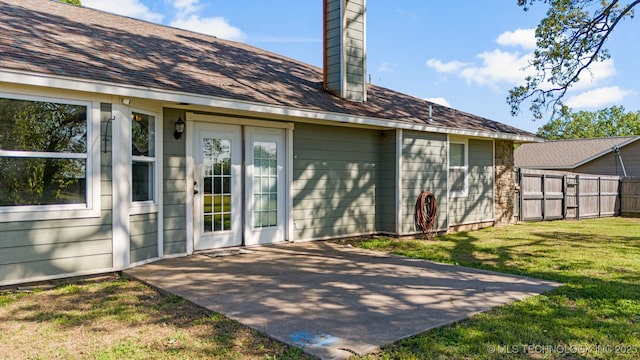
<point x="331" y="300"/>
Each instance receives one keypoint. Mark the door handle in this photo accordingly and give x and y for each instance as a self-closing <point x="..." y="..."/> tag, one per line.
<point x="196" y="188"/>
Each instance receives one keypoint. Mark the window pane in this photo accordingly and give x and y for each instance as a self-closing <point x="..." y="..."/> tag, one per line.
<point x="142" y="134"/>
<point x="456" y="180"/>
<point x="265" y="184"/>
<point x="37" y="181"/>
<point x="456" y="154"/>
<point x="42" y="126"/>
<point x="142" y="175"/>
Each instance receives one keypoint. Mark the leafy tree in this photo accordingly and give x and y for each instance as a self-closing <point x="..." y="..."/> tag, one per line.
<point x="613" y="121"/>
<point x="73" y="2"/>
<point x="569" y="39"/>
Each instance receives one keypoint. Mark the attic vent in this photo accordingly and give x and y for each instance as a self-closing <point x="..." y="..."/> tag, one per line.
<point x="344" y="49"/>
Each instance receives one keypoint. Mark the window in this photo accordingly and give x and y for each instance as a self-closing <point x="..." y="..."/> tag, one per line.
<point x="45" y="161"/>
<point x="265" y="188"/>
<point x="458" y="169"/>
<point x="143" y="157"/>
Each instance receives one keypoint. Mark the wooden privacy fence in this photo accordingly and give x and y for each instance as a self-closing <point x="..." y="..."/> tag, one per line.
<point x="630" y="196"/>
<point x="551" y="195"/>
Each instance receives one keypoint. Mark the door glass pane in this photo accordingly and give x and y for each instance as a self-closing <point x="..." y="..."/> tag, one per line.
<point x="217" y="177"/>
<point x="264" y="184"/>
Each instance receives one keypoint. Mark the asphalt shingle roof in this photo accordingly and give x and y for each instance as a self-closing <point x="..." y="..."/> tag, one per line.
<point x="47" y="37"/>
<point x="566" y="154"/>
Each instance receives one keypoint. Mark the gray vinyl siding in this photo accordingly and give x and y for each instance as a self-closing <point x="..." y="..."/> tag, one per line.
<point x="143" y="236"/>
<point x="386" y="186"/>
<point x="477" y="206"/>
<point x="345" y="49"/>
<point x="174" y="186"/>
<point x="610" y="165"/>
<point x="424" y="167"/>
<point x="333" y="43"/>
<point x="334" y="181"/>
<point x="355" y="58"/>
<point x="34" y="249"/>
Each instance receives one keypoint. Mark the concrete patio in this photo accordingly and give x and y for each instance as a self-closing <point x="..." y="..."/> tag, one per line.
<point x="334" y="301"/>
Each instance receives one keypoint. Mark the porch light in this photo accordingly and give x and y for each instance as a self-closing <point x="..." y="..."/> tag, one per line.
<point x="177" y="134"/>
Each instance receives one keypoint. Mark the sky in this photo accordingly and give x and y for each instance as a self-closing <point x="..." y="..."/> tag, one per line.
<point x="465" y="54"/>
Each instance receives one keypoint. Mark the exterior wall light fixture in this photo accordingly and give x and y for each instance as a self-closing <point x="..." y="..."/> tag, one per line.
<point x="180" y="124"/>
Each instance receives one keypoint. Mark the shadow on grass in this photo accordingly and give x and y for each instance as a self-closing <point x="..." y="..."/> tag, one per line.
<point x="119" y="307"/>
<point x="598" y="305"/>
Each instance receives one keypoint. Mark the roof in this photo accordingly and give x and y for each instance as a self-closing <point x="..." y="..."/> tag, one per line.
<point x="567" y="154"/>
<point x="62" y="40"/>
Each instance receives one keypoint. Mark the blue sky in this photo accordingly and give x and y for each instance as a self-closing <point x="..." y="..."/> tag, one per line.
<point x="465" y="54"/>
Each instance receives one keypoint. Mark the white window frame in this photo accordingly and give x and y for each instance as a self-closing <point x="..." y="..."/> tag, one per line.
<point x="91" y="208"/>
<point x="148" y="206"/>
<point x="465" y="167"/>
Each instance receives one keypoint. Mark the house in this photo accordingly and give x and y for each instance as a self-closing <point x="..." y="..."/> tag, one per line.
<point x="603" y="156"/>
<point x="124" y="142"/>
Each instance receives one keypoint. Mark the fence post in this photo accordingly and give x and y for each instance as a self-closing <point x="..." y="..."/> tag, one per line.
<point x="544" y="197"/>
<point x="599" y="197"/>
<point x="564" y="197"/>
<point x="577" y="197"/>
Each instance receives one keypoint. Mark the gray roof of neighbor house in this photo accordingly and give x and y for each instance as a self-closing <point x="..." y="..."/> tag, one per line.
<point x="567" y="154"/>
<point x="61" y="40"/>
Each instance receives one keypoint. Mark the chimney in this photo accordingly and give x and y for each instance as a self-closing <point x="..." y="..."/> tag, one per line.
<point x="344" y="49"/>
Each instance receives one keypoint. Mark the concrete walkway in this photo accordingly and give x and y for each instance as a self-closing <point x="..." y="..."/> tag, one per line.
<point x="332" y="300"/>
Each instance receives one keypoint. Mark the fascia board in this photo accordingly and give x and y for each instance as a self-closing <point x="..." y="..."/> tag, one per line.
<point x="93" y="86"/>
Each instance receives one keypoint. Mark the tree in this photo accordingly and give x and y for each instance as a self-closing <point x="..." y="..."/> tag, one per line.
<point x="72" y="2"/>
<point x="613" y="121"/>
<point x="569" y="39"/>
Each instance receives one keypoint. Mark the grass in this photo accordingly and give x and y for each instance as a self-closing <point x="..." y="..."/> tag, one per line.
<point x="123" y="319"/>
<point x="595" y="315"/>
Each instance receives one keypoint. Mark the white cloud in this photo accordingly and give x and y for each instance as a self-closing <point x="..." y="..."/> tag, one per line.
<point x="595" y="74"/>
<point x="216" y="26"/>
<point x="497" y="67"/>
<point x="449" y="67"/>
<point x="598" y="98"/>
<point x="525" y="38"/>
<point x="131" y="8"/>
<point x="187" y="17"/>
<point x="501" y="69"/>
<point x="439" y="100"/>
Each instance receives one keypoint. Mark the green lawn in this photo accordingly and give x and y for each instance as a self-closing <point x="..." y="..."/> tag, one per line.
<point x="596" y="315"/>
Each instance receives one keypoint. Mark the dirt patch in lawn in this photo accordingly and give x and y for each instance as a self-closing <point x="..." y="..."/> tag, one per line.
<point x="117" y="318"/>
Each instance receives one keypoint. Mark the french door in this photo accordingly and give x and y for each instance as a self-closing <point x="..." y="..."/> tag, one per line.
<point x="239" y="186"/>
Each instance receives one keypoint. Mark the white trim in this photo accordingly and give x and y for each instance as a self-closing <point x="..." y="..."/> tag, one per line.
<point x="214" y="119"/>
<point x="465" y="167"/>
<point x="289" y="225"/>
<point x="91" y="207"/>
<point x="190" y="141"/>
<point x="44" y="155"/>
<point x="28" y="78"/>
<point x="160" y="181"/>
<point x="399" y="140"/>
<point x="121" y="185"/>
<point x="146" y="206"/>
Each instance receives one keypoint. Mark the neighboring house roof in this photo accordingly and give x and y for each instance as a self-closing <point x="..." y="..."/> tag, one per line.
<point x="61" y="40"/>
<point x="567" y="154"/>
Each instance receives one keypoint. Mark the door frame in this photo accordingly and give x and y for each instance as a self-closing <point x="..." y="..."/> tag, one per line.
<point x="192" y="120"/>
